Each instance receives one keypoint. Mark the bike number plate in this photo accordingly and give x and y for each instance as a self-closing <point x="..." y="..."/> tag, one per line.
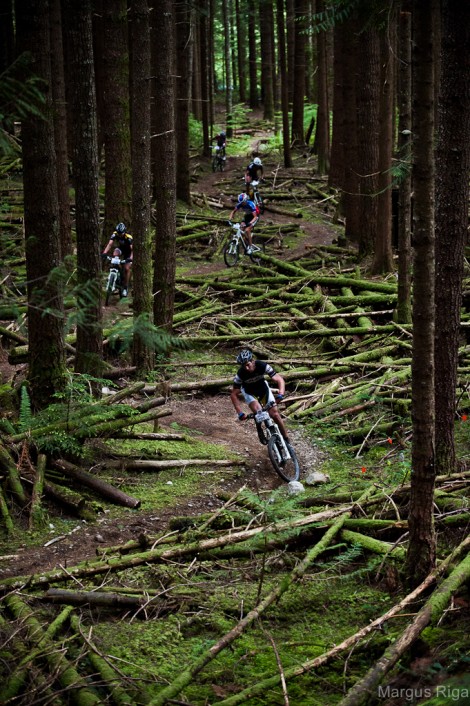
<point x="261" y="416"/>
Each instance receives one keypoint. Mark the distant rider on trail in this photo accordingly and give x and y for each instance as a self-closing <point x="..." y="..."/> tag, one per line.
<point x="122" y="240"/>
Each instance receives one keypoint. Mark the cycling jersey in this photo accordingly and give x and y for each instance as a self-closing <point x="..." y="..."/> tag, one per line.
<point x="123" y="242"/>
<point x="253" y="383"/>
<point x="248" y="206"/>
<point x="254" y="170"/>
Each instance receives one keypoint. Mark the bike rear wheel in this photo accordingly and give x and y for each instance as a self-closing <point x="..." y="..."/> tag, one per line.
<point x="231" y="253"/>
<point x="288" y="469"/>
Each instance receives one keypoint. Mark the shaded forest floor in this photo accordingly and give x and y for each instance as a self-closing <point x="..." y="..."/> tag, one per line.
<point x="344" y="590"/>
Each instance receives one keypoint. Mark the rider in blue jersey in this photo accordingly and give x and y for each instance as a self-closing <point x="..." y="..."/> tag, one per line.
<point x="251" y="217"/>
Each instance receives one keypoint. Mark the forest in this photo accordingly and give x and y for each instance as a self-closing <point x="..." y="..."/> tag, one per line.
<point x="152" y="550"/>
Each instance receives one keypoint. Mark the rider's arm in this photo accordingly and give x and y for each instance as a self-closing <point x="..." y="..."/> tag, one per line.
<point x="108" y="247"/>
<point x="235" y="399"/>
<point x="281" y="385"/>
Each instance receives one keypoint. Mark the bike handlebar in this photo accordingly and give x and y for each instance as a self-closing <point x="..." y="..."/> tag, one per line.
<point x="263" y="409"/>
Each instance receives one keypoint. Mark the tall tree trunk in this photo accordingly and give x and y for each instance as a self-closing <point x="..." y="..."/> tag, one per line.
<point x="204" y="62"/>
<point x="240" y="14"/>
<point x="350" y="198"/>
<point x="422" y="542"/>
<point x="165" y="166"/>
<point x="140" y="159"/>
<point x="115" y="117"/>
<point x="290" y="29"/>
<point x="403" y="311"/>
<point x="183" y="83"/>
<point x="281" y="40"/>
<point x="228" y="69"/>
<point x="267" y="67"/>
<point x="368" y="90"/>
<point x="322" y="133"/>
<point x="60" y="129"/>
<point x="46" y="372"/>
<point x="82" y="97"/>
<point x="298" y="136"/>
<point x="383" y="260"/>
<point x="336" y="175"/>
<point x="252" y="55"/>
<point x="452" y="194"/>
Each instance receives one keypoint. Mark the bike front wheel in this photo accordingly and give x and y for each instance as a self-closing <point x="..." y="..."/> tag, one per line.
<point x="215" y="164"/>
<point x="231" y="253"/>
<point x="287" y="468"/>
<point x="110" y="285"/>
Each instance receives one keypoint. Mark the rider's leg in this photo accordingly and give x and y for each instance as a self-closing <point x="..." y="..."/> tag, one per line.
<point x="126" y="273"/>
<point x="274" y="413"/>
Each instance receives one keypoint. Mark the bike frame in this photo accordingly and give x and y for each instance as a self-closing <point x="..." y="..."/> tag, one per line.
<point x="239" y="236"/>
<point x="280" y="452"/>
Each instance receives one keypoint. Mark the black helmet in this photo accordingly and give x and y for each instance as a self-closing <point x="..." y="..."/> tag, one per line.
<point x="244" y="356"/>
<point x="222" y="133"/>
<point x="120" y="228"/>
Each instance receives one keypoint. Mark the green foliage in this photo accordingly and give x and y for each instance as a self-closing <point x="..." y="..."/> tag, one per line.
<point x="336" y="13"/>
<point x="25" y="415"/>
<point x="21" y="96"/>
<point x="156" y="339"/>
<point x="195" y="131"/>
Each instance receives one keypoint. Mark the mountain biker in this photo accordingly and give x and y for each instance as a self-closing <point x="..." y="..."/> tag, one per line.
<point x="122" y="240"/>
<point x="254" y="172"/>
<point x="220" y="139"/>
<point x="251" y="217"/>
<point x="250" y="381"/>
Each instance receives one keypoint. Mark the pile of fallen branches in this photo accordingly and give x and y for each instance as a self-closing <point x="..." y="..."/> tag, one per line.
<point x="50" y="646"/>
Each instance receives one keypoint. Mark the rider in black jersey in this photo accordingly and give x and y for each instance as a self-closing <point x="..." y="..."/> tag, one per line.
<point x="251" y="383"/>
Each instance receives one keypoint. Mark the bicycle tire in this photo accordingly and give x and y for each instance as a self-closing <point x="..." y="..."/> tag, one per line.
<point x="221" y="164"/>
<point x="231" y="253"/>
<point x="215" y="164"/>
<point x="289" y="470"/>
<point x="110" y="284"/>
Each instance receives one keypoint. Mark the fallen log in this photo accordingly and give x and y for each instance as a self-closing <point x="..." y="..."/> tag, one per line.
<point x="66" y="674"/>
<point x="429" y="614"/>
<point x="16" y="679"/>
<point x="14" y="482"/>
<point x="35" y="512"/>
<point x="97" y="484"/>
<point x="89" y="568"/>
<point x="93" y="598"/>
<point x="109" y="676"/>
<point x="179" y="463"/>
<point x="263" y="685"/>
<point x="187" y="675"/>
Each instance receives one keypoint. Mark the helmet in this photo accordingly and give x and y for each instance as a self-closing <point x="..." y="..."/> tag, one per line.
<point x="222" y="133"/>
<point x="242" y="198"/>
<point x="244" y="356"/>
<point x="121" y="228"/>
<point x="258" y="162"/>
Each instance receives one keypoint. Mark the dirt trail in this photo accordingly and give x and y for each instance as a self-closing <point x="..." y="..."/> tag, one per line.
<point x="213" y="416"/>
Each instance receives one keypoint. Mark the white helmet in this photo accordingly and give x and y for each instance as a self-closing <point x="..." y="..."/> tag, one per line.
<point x="258" y="162"/>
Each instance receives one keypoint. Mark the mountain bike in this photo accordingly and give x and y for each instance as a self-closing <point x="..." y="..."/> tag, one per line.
<point x="238" y="241"/>
<point x="256" y="196"/>
<point x="280" y="451"/>
<point x="218" y="160"/>
<point x="114" y="282"/>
